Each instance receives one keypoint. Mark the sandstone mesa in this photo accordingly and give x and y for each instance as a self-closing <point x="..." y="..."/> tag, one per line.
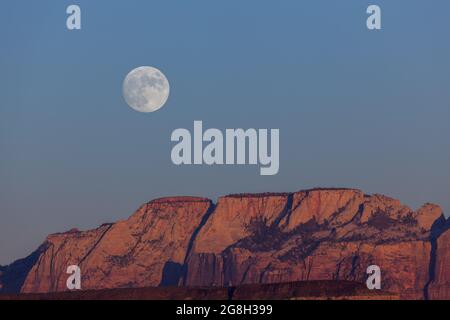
<point x="317" y="234"/>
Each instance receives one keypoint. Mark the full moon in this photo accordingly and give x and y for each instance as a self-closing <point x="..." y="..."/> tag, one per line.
<point x="146" y="89"/>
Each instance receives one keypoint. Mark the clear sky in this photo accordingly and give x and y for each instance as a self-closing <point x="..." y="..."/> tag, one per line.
<point x="355" y="108"/>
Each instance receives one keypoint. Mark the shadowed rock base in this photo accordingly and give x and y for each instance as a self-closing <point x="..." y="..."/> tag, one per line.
<point x="310" y="290"/>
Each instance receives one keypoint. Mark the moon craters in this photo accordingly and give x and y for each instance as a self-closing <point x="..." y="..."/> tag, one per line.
<point x="146" y="89"/>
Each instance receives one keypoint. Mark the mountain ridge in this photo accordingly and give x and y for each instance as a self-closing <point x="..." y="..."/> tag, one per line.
<point x="313" y="234"/>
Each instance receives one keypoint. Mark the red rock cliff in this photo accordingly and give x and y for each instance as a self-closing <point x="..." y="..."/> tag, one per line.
<point x="314" y="235"/>
<point x="320" y="234"/>
<point x="129" y="253"/>
<point x="440" y="283"/>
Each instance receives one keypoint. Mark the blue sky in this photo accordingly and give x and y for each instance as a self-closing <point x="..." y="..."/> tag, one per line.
<point x="355" y="108"/>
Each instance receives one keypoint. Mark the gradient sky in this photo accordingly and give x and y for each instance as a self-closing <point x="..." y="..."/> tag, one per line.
<point x="355" y="108"/>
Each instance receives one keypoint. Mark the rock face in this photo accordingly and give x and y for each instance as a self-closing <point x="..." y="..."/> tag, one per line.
<point x="313" y="235"/>
<point x="130" y="253"/>
<point x="319" y="234"/>
<point x="13" y="276"/>
<point x="2" y="272"/>
<point x="440" y="282"/>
